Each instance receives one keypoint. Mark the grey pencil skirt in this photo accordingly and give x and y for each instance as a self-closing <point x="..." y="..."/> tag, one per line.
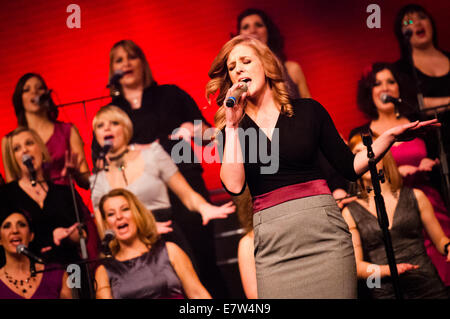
<point x="303" y="249"/>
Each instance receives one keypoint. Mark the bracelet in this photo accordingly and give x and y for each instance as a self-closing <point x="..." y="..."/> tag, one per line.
<point x="446" y="248"/>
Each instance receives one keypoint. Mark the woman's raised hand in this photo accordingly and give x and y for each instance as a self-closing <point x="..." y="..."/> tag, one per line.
<point x="409" y="131"/>
<point x="61" y="233"/>
<point x="72" y="164"/>
<point x="210" y="212"/>
<point x="164" y="227"/>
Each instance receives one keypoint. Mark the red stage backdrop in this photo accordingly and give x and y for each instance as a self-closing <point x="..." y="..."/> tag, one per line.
<point x="330" y="40"/>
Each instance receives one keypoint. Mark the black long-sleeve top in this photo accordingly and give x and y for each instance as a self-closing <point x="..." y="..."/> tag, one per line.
<point x="300" y="138"/>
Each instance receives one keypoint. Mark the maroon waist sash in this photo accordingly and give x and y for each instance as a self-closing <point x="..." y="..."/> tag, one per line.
<point x="290" y="192"/>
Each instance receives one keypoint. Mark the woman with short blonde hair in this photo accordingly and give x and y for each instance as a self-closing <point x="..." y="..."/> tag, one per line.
<point x="115" y="114"/>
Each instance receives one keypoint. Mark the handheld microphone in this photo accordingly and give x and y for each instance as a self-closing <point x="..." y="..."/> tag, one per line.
<point x="109" y="236"/>
<point x="104" y="150"/>
<point x="232" y="100"/>
<point x="27" y="160"/>
<point x="106" y="147"/>
<point x="386" y="98"/>
<point x="114" y="80"/>
<point x="42" y="99"/>
<point x="23" y="250"/>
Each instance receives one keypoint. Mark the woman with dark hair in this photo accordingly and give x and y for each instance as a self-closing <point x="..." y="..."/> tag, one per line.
<point x="431" y="65"/>
<point x="430" y="62"/>
<point x="16" y="279"/>
<point x="409" y="213"/>
<point x="156" y="111"/>
<point x="303" y="248"/>
<point x="257" y="23"/>
<point x="382" y="78"/>
<point x="35" y="109"/>
<point x="411" y="157"/>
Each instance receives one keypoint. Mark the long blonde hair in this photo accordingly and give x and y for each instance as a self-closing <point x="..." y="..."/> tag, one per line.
<point x="145" y="222"/>
<point x="390" y="169"/>
<point x="220" y="79"/>
<point x="8" y="152"/>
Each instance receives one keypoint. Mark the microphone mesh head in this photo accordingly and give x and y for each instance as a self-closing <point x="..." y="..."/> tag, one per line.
<point x="407" y="32"/>
<point x="20" y="248"/>
<point x="384" y="98"/>
<point x="26" y="158"/>
<point x="110" y="233"/>
<point x="108" y="142"/>
<point x="118" y="72"/>
<point x="114" y="78"/>
<point x="36" y="99"/>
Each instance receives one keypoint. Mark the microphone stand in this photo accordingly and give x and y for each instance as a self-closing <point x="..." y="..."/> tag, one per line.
<point x="84" y="262"/>
<point x="383" y="220"/>
<point x="33" y="271"/>
<point x="444" y="171"/>
<point x="64" y="266"/>
<point x="85" y="101"/>
<point x="83" y="248"/>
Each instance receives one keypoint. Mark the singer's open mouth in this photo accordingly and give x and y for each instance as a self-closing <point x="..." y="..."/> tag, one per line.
<point x="121" y="227"/>
<point x="245" y="80"/>
<point x="109" y="137"/>
<point x="420" y="32"/>
<point x="16" y="241"/>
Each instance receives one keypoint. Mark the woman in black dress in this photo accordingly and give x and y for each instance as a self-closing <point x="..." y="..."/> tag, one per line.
<point x="431" y="64"/>
<point x="408" y="211"/>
